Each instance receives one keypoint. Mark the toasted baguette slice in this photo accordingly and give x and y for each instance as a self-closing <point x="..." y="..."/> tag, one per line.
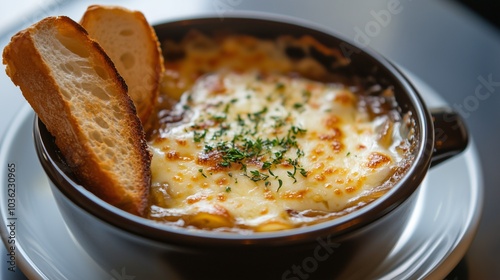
<point x="133" y="46"/>
<point x="74" y="88"/>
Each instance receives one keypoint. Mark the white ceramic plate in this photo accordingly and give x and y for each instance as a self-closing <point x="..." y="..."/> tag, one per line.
<point x="441" y="229"/>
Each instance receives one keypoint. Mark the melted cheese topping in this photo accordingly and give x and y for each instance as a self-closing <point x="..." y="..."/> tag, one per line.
<point x="270" y="152"/>
<point x="198" y="53"/>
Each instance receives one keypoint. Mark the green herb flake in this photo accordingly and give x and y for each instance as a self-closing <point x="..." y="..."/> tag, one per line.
<point x="303" y="172"/>
<point x="306" y="94"/>
<point x="198" y="136"/>
<point x="266" y="165"/>
<point x="280" y="184"/>
<point x="219" y="119"/>
<point x="297" y="130"/>
<point x="258" y="176"/>
<point x="280" y="86"/>
<point x="292" y="175"/>
<point x="208" y="148"/>
<point x="300" y="153"/>
<point x="201" y="172"/>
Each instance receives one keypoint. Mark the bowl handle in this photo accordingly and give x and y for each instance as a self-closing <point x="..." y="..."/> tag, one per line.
<point x="450" y="134"/>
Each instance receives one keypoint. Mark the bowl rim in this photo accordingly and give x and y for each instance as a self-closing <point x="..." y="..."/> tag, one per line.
<point x="337" y="227"/>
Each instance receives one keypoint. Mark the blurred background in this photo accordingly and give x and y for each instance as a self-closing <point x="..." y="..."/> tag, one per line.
<point x="487" y="9"/>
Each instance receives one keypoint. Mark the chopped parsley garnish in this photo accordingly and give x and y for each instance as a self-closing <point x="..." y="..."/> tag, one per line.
<point x="256" y="176"/>
<point x="303" y="172"/>
<point x="280" y="86"/>
<point x="201" y="172"/>
<point x="280" y="184"/>
<point x="258" y="141"/>
<point x="219" y="119"/>
<point x="306" y="94"/>
<point x="198" y="136"/>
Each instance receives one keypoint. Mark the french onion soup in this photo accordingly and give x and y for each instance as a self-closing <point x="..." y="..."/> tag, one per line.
<point x="256" y="135"/>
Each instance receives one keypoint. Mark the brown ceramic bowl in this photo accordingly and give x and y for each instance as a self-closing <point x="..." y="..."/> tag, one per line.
<point x="347" y="246"/>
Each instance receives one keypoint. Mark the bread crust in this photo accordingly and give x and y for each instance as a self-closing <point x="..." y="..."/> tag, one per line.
<point x="29" y="69"/>
<point x="144" y="90"/>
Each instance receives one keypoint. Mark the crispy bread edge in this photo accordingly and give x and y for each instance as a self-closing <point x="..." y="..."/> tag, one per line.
<point x="27" y="69"/>
<point x="148" y="115"/>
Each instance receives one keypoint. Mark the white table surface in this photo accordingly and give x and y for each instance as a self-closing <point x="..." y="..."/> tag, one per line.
<point x="439" y="41"/>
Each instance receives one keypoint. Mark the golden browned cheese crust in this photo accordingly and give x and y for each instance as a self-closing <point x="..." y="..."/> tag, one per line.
<point x="261" y="136"/>
<point x="199" y="53"/>
<point x="30" y="68"/>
